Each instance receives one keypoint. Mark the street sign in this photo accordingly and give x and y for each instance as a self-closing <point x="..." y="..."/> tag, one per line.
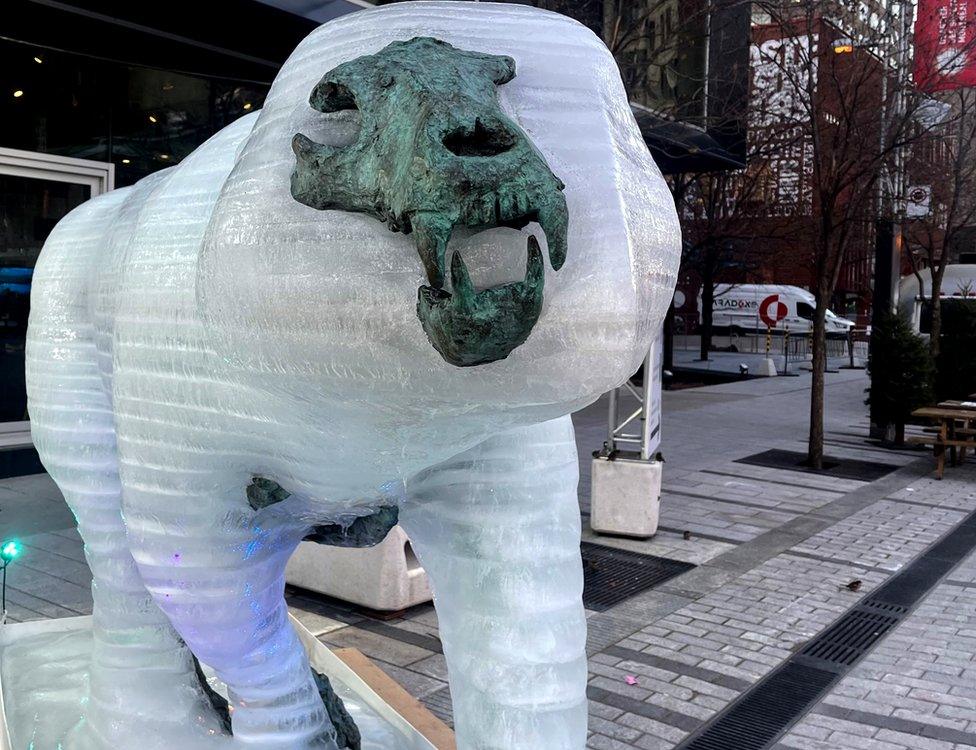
<point x="772" y="311"/>
<point x="919" y="200"/>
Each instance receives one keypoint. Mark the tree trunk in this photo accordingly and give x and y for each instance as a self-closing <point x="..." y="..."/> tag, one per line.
<point x="936" y="330"/>
<point x="708" y="302"/>
<point x="815" y="442"/>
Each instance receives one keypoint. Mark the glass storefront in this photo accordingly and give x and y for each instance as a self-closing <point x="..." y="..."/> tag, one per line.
<point x="29" y="209"/>
<point x="140" y="119"/>
<point x="58" y="104"/>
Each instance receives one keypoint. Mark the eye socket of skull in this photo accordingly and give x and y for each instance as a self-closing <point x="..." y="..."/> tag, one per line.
<point x="504" y="69"/>
<point x="332" y="96"/>
<point x="483" y="139"/>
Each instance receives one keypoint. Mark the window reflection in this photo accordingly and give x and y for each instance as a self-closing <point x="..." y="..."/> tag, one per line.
<point x="141" y="119"/>
<point x="29" y="209"/>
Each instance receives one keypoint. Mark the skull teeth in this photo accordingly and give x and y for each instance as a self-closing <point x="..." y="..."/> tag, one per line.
<point x="463" y="289"/>
<point x="432" y="231"/>
<point x="553" y="220"/>
<point x="431" y="241"/>
<point x="463" y="294"/>
<point x="468" y="327"/>
<point x="535" y="269"/>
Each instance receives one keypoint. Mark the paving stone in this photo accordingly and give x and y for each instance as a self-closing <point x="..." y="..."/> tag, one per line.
<point x="774" y="550"/>
<point x="885" y="535"/>
<point x="376" y="646"/>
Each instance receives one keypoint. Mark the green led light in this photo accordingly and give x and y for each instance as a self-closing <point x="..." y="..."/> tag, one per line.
<point x="9" y="550"/>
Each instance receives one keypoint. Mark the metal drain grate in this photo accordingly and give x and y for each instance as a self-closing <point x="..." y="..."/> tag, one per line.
<point x="895" y="610"/>
<point x="766" y="711"/>
<point x="762" y="715"/>
<point x="612" y="575"/>
<point x="850" y="637"/>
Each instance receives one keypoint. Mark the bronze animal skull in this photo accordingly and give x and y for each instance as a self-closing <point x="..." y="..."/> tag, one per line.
<point x="435" y="151"/>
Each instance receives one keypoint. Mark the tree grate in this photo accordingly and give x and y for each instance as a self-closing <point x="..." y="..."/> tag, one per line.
<point x="612" y="575"/>
<point x="842" y="468"/>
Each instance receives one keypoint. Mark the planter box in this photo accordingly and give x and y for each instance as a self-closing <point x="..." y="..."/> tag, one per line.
<point x="392" y="712"/>
<point x="625" y="497"/>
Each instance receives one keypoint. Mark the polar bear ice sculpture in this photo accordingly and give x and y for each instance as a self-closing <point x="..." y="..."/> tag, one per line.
<point x="203" y="328"/>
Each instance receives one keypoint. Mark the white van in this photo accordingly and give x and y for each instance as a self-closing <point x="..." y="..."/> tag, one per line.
<point x="914" y="305"/>
<point x="737" y="309"/>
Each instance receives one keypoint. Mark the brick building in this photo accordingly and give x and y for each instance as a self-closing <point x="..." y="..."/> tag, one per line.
<point x="769" y="212"/>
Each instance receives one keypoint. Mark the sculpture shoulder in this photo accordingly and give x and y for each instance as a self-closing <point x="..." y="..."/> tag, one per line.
<point x="104" y="228"/>
<point x="80" y="233"/>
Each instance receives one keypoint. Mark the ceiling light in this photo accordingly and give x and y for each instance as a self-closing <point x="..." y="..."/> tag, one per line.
<point x="247" y="106"/>
<point x="125" y="161"/>
<point x="843" y="46"/>
<point x="38" y="60"/>
<point x="18" y="93"/>
<point x="152" y="118"/>
<point x="164" y="157"/>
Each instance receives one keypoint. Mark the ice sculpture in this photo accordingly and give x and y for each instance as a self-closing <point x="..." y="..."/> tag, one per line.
<point x="217" y="370"/>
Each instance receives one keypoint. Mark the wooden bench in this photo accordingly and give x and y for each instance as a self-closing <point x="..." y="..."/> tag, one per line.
<point x="939" y="446"/>
<point x="954" y="431"/>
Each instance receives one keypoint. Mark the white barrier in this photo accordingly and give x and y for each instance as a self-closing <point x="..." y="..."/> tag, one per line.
<point x="385" y="577"/>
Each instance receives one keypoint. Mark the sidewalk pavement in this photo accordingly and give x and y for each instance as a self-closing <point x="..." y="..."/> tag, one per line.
<point x="774" y="549"/>
<point x="731" y="362"/>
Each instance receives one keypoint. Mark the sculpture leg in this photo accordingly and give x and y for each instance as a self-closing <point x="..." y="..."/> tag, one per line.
<point x="216" y="568"/>
<point x="142" y="682"/>
<point x="498" y="530"/>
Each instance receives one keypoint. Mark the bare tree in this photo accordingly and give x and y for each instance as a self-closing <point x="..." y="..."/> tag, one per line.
<point x="947" y="150"/>
<point x="842" y="83"/>
<point x="725" y="225"/>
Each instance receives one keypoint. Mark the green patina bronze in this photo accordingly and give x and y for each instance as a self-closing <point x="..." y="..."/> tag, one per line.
<point x="365" y="531"/>
<point x="436" y="151"/>
<point x="347" y="733"/>
<point x="263" y="492"/>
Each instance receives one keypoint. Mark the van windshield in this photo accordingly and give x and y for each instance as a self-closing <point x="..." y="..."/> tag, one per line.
<point x="804" y="310"/>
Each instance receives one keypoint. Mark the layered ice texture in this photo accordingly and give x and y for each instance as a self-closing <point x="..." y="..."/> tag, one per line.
<point x="201" y="328"/>
<point x="46" y="676"/>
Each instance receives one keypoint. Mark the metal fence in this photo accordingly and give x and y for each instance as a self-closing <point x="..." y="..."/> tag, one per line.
<point x="795" y="346"/>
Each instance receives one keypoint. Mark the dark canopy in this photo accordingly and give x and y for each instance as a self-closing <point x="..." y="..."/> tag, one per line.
<point x="679" y="147"/>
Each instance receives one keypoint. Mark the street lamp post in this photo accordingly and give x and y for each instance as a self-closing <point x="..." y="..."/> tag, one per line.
<point x="889" y="235"/>
<point x="9" y="551"/>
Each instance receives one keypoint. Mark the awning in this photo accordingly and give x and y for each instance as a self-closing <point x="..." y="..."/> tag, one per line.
<point x="319" y="11"/>
<point x="679" y="147"/>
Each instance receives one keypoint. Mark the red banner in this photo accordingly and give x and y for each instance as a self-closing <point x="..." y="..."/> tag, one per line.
<point x="945" y="41"/>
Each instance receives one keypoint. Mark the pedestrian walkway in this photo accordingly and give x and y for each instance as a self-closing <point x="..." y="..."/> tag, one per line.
<point x="780" y="554"/>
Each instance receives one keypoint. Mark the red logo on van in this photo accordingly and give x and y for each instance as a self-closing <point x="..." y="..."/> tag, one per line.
<point x="772" y="311"/>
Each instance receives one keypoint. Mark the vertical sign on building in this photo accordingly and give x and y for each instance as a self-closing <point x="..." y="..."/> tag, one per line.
<point x="945" y="37"/>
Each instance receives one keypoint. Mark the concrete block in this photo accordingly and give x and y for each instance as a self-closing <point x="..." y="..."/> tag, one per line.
<point x="625" y="497"/>
<point x="766" y="368"/>
<point x="385" y="577"/>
